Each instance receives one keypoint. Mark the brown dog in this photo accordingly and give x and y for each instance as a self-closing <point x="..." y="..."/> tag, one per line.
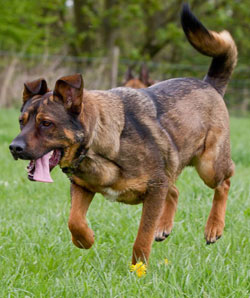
<point x="130" y="145"/>
<point x="142" y="81"/>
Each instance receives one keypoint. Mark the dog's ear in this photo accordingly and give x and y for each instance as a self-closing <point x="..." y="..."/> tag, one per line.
<point x="144" y="76"/>
<point x="129" y="75"/>
<point x="37" y="87"/>
<point x="70" y="90"/>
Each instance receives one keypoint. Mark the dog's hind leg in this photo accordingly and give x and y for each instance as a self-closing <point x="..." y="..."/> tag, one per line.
<point x="166" y="220"/>
<point x="82" y="235"/>
<point x="216" y="220"/>
<point x="215" y="168"/>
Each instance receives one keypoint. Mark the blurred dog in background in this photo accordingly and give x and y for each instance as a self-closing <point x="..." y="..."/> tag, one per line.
<point x="142" y="81"/>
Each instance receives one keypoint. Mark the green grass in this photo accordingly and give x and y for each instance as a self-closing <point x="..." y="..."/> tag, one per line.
<point x="37" y="258"/>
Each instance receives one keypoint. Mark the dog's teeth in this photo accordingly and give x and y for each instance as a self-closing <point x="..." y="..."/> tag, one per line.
<point x="30" y="166"/>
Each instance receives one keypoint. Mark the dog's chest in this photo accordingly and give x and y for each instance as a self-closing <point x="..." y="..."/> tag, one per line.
<point x="122" y="196"/>
<point x="102" y="176"/>
<point x="129" y="194"/>
<point x="111" y="194"/>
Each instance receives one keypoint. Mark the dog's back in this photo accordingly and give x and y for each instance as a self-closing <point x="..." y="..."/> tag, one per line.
<point x="187" y="108"/>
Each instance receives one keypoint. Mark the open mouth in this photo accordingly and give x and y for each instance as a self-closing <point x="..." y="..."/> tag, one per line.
<point x="39" y="169"/>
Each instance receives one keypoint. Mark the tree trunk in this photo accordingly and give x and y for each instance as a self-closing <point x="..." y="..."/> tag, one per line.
<point x="84" y="40"/>
<point x="108" y="30"/>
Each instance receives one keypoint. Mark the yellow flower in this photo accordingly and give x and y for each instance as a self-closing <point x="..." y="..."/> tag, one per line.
<point x="167" y="262"/>
<point x="139" y="268"/>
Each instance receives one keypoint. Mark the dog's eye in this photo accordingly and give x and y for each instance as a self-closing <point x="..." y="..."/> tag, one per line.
<point x="21" y="122"/>
<point x="45" y="123"/>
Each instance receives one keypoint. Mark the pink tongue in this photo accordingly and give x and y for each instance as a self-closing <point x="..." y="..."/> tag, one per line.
<point x="42" y="171"/>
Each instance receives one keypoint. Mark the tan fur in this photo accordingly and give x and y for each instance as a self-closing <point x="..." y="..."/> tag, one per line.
<point x="142" y="81"/>
<point x="216" y="44"/>
<point x="220" y="46"/>
<point x="216" y="220"/>
<point x="68" y="156"/>
<point x="135" y="83"/>
<point x="82" y="235"/>
<point x="166" y="220"/>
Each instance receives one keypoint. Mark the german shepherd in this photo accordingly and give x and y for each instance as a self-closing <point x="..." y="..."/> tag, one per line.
<point x="142" y="81"/>
<point x="130" y="145"/>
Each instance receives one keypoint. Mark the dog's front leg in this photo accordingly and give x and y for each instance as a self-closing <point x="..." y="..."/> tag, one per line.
<point x="151" y="211"/>
<point x="82" y="235"/>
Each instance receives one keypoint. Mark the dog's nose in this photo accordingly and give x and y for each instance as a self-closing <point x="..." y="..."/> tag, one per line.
<point x="17" y="147"/>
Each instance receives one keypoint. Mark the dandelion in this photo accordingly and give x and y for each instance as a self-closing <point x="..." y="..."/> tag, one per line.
<point x="139" y="268"/>
<point x="166" y="261"/>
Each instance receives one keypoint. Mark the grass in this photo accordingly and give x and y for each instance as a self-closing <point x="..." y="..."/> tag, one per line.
<point x="37" y="258"/>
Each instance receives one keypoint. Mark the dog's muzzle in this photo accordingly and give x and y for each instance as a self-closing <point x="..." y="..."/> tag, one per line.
<point x="17" y="148"/>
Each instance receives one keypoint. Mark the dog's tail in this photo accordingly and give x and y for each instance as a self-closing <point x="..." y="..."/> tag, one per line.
<point x="220" y="46"/>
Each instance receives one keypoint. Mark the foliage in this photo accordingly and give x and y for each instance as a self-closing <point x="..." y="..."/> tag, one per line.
<point x="137" y="26"/>
<point x="31" y="26"/>
<point x="144" y="30"/>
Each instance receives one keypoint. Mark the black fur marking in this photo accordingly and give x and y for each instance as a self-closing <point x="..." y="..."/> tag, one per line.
<point x="66" y="170"/>
<point x="25" y="105"/>
<point x="111" y="160"/>
<point x="57" y="95"/>
<point x="158" y="105"/>
<point x="141" y="129"/>
<point x="76" y="125"/>
<point x="206" y="43"/>
<point x="133" y="123"/>
<point x="37" y="101"/>
<point x="215" y="69"/>
<point x="174" y="89"/>
<point x="189" y="22"/>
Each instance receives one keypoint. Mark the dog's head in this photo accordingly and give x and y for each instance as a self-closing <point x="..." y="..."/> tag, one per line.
<point x="49" y="124"/>
<point x="143" y="81"/>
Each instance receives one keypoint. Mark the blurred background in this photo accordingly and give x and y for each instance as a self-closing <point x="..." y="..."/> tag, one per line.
<point x="103" y="38"/>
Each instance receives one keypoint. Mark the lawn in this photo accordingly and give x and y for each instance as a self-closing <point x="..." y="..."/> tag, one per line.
<point x="37" y="258"/>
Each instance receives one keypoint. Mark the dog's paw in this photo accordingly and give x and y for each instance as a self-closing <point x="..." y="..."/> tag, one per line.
<point x="82" y="242"/>
<point x="162" y="234"/>
<point x="82" y="235"/>
<point x="213" y="230"/>
<point x="85" y="241"/>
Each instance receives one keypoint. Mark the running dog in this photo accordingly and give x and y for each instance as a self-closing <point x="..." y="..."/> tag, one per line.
<point x="131" y="144"/>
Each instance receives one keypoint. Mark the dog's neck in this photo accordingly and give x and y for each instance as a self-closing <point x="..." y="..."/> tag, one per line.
<point x="102" y="122"/>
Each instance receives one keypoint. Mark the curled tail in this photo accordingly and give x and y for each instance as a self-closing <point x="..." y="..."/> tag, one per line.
<point x="220" y="46"/>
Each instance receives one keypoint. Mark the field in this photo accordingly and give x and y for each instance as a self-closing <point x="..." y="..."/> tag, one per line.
<point x="37" y="258"/>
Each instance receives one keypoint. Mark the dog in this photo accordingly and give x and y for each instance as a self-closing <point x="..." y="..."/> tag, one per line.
<point x="131" y="144"/>
<point x="142" y="81"/>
